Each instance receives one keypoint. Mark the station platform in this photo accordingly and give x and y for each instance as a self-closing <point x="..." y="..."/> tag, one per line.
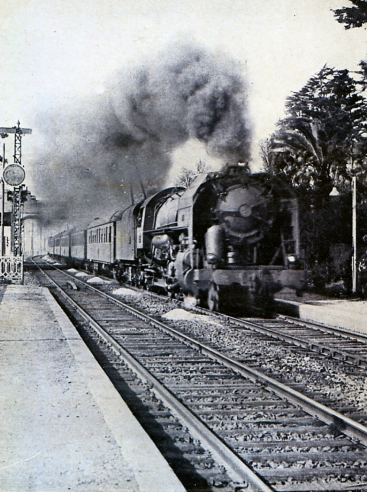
<point x="63" y="426"/>
<point x="349" y="314"/>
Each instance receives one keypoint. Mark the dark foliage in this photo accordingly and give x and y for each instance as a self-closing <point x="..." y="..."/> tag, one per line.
<point x="326" y="237"/>
<point x="323" y="137"/>
<point x="354" y="16"/>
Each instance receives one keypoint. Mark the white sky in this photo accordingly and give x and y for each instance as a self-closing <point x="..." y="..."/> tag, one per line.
<point x="59" y="50"/>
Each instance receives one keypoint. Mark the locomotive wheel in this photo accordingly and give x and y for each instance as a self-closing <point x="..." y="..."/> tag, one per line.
<point x="213" y="297"/>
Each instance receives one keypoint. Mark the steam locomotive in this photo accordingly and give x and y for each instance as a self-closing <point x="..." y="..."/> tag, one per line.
<point x="231" y="238"/>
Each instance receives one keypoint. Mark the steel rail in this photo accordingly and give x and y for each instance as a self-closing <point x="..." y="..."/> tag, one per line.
<point x="238" y="471"/>
<point x="346" y="425"/>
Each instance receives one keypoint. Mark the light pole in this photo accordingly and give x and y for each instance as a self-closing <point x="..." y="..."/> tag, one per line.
<point x="334" y="192"/>
<point x="354" y="234"/>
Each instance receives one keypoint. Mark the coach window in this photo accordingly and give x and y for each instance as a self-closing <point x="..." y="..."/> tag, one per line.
<point x="109" y="234"/>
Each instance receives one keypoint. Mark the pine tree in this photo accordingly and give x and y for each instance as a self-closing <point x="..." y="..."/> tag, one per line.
<point x="324" y="132"/>
<point x="354" y="16"/>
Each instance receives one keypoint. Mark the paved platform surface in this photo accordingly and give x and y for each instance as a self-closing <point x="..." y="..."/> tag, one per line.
<point x="63" y="426"/>
<point x="341" y="313"/>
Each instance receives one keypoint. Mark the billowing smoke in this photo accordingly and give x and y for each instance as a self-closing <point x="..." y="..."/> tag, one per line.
<point x="103" y="150"/>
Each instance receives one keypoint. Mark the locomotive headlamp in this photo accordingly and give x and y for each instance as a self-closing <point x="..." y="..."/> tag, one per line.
<point x="292" y="261"/>
<point x="245" y="210"/>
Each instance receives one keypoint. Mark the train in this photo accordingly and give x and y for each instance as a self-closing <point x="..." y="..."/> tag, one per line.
<point x="230" y="239"/>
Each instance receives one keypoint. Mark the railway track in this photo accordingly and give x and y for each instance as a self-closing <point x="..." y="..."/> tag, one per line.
<point x="325" y="374"/>
<point x="337" y="343"/>
<point x="267" y="435"/>
<point x="334" y="343"/>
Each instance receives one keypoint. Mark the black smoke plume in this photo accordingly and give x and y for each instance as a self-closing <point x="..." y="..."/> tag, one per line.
<point x="122" y="140"/>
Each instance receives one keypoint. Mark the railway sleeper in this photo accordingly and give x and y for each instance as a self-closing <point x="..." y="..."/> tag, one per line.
<point x="214" y="387"/>
<point x="243" y="402"/>
<point x="240" y="414"/>
<point x="193" y="456"/>
<point x="287" y="429"/>
<point x="297" y="456"/>
<point x="219" y="400"/>
<point x="306" y="475"/>
<point x="283" y="447"/>
<point x="240" y="393"/>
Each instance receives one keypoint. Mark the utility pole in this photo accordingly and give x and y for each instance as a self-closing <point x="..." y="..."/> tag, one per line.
<point x="354" y="234"/>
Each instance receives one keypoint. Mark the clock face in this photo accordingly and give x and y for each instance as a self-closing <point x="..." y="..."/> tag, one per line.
<point x="14" y="175"/>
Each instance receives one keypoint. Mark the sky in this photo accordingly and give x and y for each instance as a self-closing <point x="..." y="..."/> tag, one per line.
<point x="55" y="53"/>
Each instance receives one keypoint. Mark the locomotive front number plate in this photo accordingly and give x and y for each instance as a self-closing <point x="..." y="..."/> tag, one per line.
<point x="14" y="175"/>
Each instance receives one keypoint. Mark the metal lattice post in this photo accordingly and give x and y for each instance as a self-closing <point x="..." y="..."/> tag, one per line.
<point x="11" y="267"/>
<point x="16" y="221"/>
<point x="18" y="145"/>
<point x="17" y="200"/>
